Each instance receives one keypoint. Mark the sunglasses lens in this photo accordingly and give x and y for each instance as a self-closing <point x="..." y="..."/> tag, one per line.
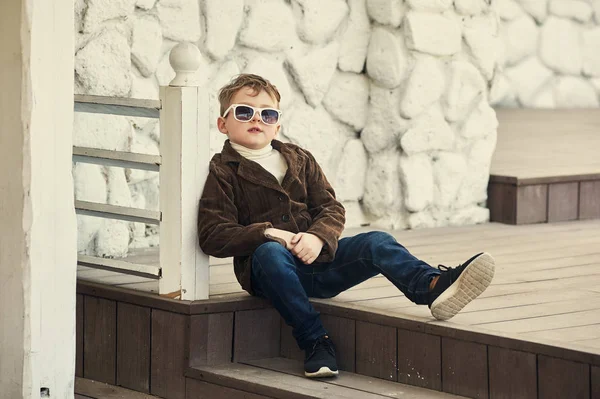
<point x="243" y="113"/>
<point x="269" y="116"/>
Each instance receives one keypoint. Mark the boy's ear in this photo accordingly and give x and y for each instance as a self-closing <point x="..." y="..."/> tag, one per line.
<point x="221" y="125"/>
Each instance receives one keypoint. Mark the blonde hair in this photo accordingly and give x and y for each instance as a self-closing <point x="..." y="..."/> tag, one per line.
<point x="255" y="82"/>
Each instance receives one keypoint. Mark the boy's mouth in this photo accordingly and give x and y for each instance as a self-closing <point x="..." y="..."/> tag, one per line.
<point x="254" y="130"/>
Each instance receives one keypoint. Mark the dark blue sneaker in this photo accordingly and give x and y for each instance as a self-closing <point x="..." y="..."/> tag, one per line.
<point x="458" y="286"/>
<point x="320" y="359"/>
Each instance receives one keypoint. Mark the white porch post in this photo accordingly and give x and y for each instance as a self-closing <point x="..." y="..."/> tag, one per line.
<point x="184" y="147"/>
<point x="38" y="241"/>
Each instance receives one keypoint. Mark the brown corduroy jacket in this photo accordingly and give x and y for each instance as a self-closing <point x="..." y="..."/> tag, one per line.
<point x="241" y="200"/>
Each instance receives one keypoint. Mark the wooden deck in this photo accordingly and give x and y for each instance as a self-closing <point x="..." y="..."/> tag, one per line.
<point x="546" y="288"/>
<point x="537" y="143"/>
<point x="546" y="166"/>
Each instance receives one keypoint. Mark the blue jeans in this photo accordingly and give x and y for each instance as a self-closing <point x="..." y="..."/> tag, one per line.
<point x="282" y="278"/>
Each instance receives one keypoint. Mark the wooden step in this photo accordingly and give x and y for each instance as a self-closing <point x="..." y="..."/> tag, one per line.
<point x="284" y="379"/>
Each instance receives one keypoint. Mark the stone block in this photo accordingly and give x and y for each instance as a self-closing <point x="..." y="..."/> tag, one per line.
<point x="577" y="10"/>
<point x="508" y="9"/>
<point x="528" y="77"/>
<point x="473" y="189"/>
<point x="591" y="52"/>
<point x="483" y="40"/>
<point x="560" y="45"/>
<point x="520" y="38"/>
<point x="269" y="26"/>
<point x="428" y="132"/>
<point x="538" y="9"/>
<point x="470" y="7"/>
<point x="102" y="131"/>
<point x="355" y="39"/>
<point x="348" y="99"/>
<point x="384" y="124"/>
<point x="223" y="21"/>
<point x="416" y="173"/>
<point x="146" y="44"/>
<point x="465" y="85"/>
<point x="430" y="5"/>
<point x="425" y="86"/>
<point x="351" y="172"/>
<point x="112" y="239"/>
<point x="180" y="20"/>
<point x="117" y="188"/>
<point x="470" y="215"/>
<point x="273" y="71"/>
<point x="314" y="129"/>
<point x="387" y="58"/>
<point x="449" y="170"/>
<point x="383" y="193"/>
<point x="314" y="70"/>
<point x="575" y="92"/>
<point x="145" y="4"/>
<point x="318" y="20"/>
<point x="144" y="88"/>
<point x="445" y="39"/>
<point x="103" y="66"/>
<point x="386" y="12"/>
<point x="99" y="11"/>
<point x="480" y="122"/>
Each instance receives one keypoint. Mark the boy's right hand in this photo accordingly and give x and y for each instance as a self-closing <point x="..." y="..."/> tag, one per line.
<point x="281" y="234"/>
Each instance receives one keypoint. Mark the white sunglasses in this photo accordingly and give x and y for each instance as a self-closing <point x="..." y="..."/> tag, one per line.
<point x="245" y="113"/>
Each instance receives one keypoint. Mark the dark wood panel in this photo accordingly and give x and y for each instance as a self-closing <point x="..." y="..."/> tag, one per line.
<point x="512" y="374"/>
<point x="211" y="336"/>
<point x="595" y="374"/>
<point x="464" y="368"/>
<point x="502" y="202"/>
<point x="289" y="347"/>
<point x="133" y="347"/>
<point x="169" y="354"/>
<point x="257" y="334"/>
<point x="100" y="339"/>
<point x="99" y="390"/>
<point x="532" y="204"/>
<point x="419" y="359"/>
<point x="343" y="333"/>
<point x="563" y="201"/>
<point x="203" y="390"/>
<point x="589" y="200"/>
<point x="376" y="350"/>
<point x="558" y="378"/>
<point x="79" y="336"/>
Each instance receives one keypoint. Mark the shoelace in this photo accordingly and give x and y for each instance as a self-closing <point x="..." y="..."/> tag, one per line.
<point x="454" y="272"/>
<point x="322" y="344"/>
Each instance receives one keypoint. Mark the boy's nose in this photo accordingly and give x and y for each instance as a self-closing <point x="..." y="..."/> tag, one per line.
<point x="256" y="117"/>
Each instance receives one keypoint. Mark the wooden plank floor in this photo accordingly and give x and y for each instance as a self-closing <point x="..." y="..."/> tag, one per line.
<point x="546" y="288"/>
<point x="539" y="143"/>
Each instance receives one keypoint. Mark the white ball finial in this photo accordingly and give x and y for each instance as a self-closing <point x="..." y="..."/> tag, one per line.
<point x="185" y="59"/>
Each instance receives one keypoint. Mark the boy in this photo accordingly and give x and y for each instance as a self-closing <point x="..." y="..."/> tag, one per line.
<point x="269" y="206"/>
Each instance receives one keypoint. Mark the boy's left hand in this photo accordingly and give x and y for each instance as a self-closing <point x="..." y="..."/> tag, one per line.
<point x="307" y="247"/>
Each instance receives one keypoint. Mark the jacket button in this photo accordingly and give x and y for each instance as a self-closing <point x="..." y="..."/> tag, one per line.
<point x="285" y="218"/>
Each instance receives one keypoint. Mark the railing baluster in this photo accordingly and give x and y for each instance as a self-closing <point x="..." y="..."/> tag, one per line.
<point x="184" y="147"/>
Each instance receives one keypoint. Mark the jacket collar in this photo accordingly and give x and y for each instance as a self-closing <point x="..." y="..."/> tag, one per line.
<point x="255" y="173"/>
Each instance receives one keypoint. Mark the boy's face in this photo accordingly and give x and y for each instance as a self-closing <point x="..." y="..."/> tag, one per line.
<point x="254" y="134"/>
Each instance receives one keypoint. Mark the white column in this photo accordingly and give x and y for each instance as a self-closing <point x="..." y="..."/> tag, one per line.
<point x="37" y="218"/>
<point x="185" y="151"/>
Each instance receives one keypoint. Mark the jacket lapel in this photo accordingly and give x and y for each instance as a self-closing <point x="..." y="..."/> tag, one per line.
<point x="255" y="173"/>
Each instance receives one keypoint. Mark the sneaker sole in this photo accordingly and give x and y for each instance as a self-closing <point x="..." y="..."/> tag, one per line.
<point x="476" y="277"/>
<point x="323" y="372"/>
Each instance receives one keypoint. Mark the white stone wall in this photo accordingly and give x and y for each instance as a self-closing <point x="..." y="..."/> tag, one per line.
<point x="550" y="56"/>
<point x="391" y="96"/>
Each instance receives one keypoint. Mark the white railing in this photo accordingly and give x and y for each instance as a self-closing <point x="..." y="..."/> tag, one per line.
<point x="182" y="165"/>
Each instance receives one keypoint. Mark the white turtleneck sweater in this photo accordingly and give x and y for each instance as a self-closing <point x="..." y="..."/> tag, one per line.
<point x="268" y="157"/>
